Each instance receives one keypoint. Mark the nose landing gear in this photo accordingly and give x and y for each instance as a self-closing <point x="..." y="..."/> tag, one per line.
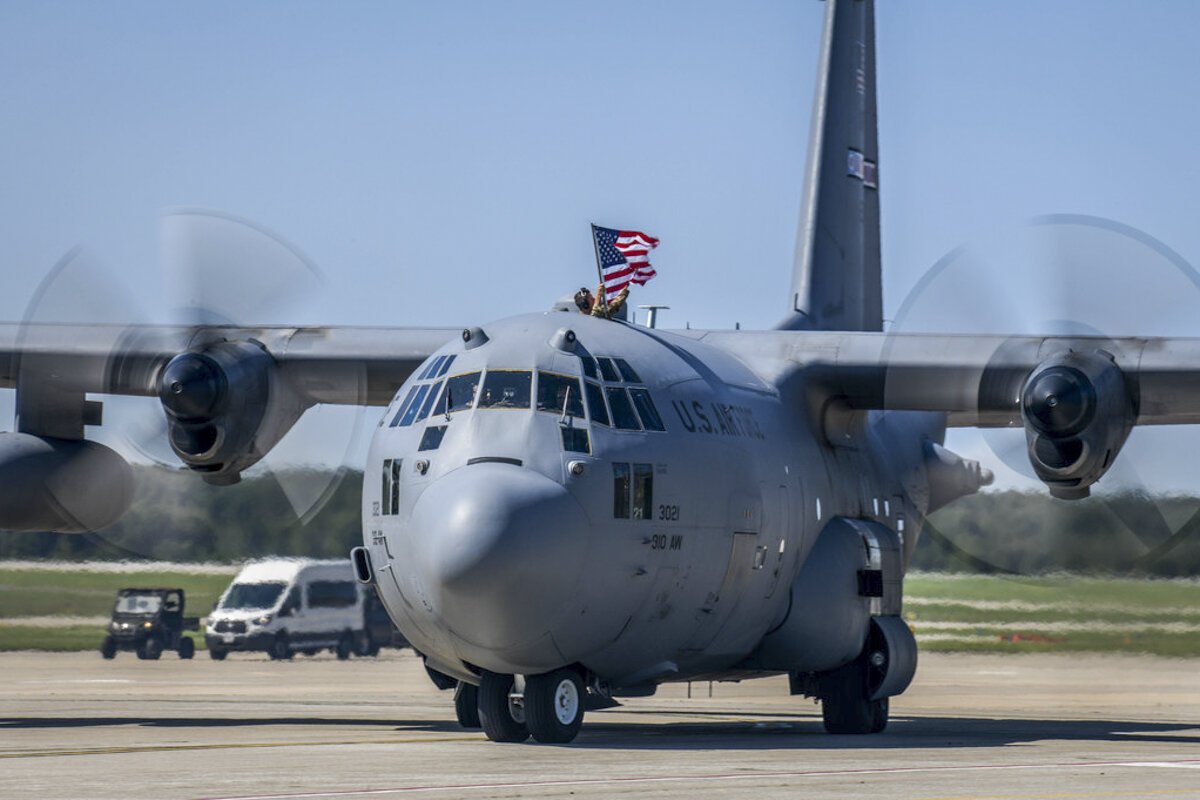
<point x="501" y="715"/>
<point x="554" y="705"/>
<point x="549" y="706"/>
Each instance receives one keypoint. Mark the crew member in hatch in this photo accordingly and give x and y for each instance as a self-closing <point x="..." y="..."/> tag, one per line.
<point x="587" y="304"/>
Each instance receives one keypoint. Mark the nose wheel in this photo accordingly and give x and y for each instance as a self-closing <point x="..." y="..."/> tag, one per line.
<point x="501" y="716"/>
<point x="554" y="705"/>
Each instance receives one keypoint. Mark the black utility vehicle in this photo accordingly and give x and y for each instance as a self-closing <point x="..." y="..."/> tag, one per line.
<point x="148" y="621"/>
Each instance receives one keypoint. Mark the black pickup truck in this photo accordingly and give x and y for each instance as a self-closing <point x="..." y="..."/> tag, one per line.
<point x="149" y="621"/>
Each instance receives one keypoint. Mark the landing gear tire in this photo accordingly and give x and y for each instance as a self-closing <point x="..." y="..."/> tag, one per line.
<point x="217" y="654"/>
<point x="502" y="719"/>
<point x="108" y="649"/>
<point x="554" y="705"/>
<point x="466" y="705"/>
<point x="845" y="705"/>
<point x="345" y="647"/>
<point x="187" y="648"/>
<point x="280" y="649"/>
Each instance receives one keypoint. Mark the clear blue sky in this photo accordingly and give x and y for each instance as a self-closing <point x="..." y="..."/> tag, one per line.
<point x="441" y="161"/>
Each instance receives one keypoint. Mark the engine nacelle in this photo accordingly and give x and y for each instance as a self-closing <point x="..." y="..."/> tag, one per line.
<point x="1078" y="410"/>
<point x="64" y="485"/>
<point x="226" y="407"/>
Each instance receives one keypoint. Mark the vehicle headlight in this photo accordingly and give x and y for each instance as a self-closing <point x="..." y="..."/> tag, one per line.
<point x="265" y="619"/>
<point x="147" y="624"/>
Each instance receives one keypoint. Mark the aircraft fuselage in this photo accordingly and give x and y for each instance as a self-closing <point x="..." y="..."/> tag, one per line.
<point x="524" y="512"/>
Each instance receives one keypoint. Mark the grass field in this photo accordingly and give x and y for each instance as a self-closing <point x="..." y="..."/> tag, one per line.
<point x="33" y="596"/>
<point x="1058" y="613"/>
<point x="1061" y="613"/>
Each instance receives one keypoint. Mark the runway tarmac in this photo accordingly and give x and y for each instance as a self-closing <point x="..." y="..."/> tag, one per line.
<point x="1022" y="726"/>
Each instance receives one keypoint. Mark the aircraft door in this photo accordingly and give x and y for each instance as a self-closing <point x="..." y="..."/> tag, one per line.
<point x="745" y="513"/>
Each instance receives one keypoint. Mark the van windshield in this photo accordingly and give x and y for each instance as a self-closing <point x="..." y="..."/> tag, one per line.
<point x="253" y="595"/>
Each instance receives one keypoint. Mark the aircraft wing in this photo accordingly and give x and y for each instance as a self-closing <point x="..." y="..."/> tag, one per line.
<point x="1077" y="398"/>
<point x="338" y="365"/>
<point x="977" y="381"/>
<point x="229" y="394"/>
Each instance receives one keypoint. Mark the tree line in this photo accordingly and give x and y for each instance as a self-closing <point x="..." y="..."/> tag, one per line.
<point x="175" y="516"/>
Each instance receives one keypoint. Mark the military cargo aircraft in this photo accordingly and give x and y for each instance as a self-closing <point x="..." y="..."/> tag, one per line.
<point x="560" y="510"/>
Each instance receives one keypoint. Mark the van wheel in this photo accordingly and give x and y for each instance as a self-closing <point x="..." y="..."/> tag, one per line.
<point x="466" y="705"/>
<point x="345" y="647"/>
<point x="108" y="648"/>
<point x="280" y="649"/>
<point x="187" y="648"/>
<point x="216" y="654"/>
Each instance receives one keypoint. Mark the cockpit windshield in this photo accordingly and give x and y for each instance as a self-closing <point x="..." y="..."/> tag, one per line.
<point x="559" y="394"/>
<point x="459" y="394"/>
<point x="138" y="604"/>
<point x="253" y="595"/>
<point x="506" y="389"/>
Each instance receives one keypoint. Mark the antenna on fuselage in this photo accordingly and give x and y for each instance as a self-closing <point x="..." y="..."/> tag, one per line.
<point x="652" y="314"/>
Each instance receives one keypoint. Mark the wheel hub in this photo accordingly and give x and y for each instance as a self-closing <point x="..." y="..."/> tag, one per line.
<point x="566" y="702"/>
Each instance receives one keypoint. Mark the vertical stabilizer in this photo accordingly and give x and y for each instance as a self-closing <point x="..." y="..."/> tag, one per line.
<point x="836" y="281"/>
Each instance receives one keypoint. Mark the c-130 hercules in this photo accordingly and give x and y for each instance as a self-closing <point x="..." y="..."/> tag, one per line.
<point x="560" y="510"/>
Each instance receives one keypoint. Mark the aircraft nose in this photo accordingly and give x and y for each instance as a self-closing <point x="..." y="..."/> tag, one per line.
<point x="503" y="550"/>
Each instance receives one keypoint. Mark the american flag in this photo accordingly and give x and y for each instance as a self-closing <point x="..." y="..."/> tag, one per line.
<point x="624" y="258"/>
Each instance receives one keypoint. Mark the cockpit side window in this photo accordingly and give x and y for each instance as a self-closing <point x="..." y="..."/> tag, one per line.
<point x="595" y="401"/>
<point x="622" y="410"/>
<point x="403" y="406"/>
<point x="609" y="370"/>
<point x="427" y="406"/>
<point x="646" y="410"/>
<point x="444" y="368"/>
<point x="589" y="366"/>
<point x="410" y="413"/>
<point x="506" y="389"/>
<point x="459" y="394"/>
<point x="558" y="394"/>
<point x="627" y="371"/>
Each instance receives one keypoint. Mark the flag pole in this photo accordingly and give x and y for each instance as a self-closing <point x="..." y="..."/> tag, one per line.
<point x="603" y="298"/>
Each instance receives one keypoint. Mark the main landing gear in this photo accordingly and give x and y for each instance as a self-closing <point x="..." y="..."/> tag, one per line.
<point x="549" y="707"/>
<point x="846" y="703"/>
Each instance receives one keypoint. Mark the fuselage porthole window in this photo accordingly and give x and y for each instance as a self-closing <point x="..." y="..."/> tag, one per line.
<point x="623" y="415"/>
<point x="609" y="370"/>
<point x="503" y="388"/>
<point x="410" y="414"/>
<point x="643" y="491"/>
<point x="651" y="420"/>
<point x="595" y="402"/>
<point x="558" y="394"/>
<point x="389" y="494"/>
<point x="621" y="490"/>
<point x="627" y="371"/>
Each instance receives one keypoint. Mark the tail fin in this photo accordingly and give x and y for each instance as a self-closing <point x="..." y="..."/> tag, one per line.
<point x="836" y="284"/>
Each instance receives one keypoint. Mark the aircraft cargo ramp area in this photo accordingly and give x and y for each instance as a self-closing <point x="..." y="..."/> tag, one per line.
<point x="972" y="726"/>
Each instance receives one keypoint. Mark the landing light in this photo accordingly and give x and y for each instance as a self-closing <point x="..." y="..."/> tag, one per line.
<point x="575" y="468"/>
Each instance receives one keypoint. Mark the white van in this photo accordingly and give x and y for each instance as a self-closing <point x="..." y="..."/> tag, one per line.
<point x="288" y="606"/>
